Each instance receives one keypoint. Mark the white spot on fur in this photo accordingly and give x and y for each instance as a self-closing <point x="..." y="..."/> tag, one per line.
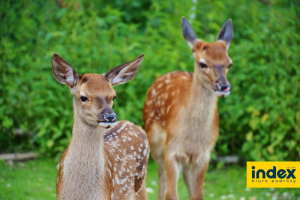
<point x="160" y="85"/>
<point x="117" y="180"/>
<point x="109" y="172"/>
<point x="168" y="108"/>
<point x="158" y="103"/>
<point x="153" y="93"/>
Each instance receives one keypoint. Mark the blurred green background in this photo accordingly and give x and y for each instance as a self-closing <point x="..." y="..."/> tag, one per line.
<point x="259" y="120"/>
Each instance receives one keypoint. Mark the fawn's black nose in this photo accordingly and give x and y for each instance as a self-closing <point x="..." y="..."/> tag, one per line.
<point x="224" y="88"/>
<point x="110" y="117"/>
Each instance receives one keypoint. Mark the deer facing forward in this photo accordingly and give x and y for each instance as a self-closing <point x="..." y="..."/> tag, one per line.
<point x="181" y="115"/>
<point x="105" y="159"/>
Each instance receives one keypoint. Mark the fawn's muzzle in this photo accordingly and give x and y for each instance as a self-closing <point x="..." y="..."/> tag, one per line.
<point x="110" y="117"/>
<point x="222" y="89"/>
<point x="107" y="120"/>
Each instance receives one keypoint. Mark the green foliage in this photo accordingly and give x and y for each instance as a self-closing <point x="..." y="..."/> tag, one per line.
<point x="262" y="116"/>
<point x="260" y="120"/>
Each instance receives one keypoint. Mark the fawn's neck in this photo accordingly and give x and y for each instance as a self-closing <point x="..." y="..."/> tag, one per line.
<point x="86" y="136"/>
<point x="201" y="101"/>
<point x="85" y="162"/>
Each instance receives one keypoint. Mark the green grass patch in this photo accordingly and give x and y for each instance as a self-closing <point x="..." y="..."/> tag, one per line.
<point x="35" y="180"/>
<point x="30" y="180"/>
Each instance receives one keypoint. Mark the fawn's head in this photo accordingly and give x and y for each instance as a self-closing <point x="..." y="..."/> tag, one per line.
<point x="93" y="93"/>
<point x="211" y="59"/>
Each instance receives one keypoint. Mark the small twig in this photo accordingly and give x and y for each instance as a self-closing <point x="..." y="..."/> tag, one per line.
<point x="228" y="159"/>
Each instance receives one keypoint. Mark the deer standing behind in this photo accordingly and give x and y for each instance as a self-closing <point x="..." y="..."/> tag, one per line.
<point x="105" y="159"/>
<point x="181" y="115"/>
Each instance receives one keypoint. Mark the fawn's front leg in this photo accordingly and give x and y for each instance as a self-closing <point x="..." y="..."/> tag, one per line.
<point x="199" y="173"/>
<point x="172" y="175"/>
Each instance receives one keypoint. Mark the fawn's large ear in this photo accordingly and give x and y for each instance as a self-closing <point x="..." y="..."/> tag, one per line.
<point x="188" y="32"/>
<point x="126" y="72"/>
<point x="226" y="34"/>
<point x="63" y="72"/>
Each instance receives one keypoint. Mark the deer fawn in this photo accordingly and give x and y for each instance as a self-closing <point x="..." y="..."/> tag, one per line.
<point x="181" y="116"/>
<point x="106" y="159"/>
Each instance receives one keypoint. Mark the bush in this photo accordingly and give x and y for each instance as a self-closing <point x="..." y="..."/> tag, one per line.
<point x="259" y="120"/>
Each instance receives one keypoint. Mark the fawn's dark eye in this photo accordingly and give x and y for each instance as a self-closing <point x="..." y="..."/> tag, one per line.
<point x="203" y="65"/>
<point x="83" y="98"/>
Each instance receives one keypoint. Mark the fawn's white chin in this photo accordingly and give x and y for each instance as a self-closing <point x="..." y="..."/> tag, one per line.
<point x="222" y="94"/>
<point x="107" y="124"/>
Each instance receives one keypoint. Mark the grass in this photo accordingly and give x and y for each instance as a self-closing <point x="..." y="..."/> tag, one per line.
<point x="30" y="180"/>
<point x="36" y="180"/>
